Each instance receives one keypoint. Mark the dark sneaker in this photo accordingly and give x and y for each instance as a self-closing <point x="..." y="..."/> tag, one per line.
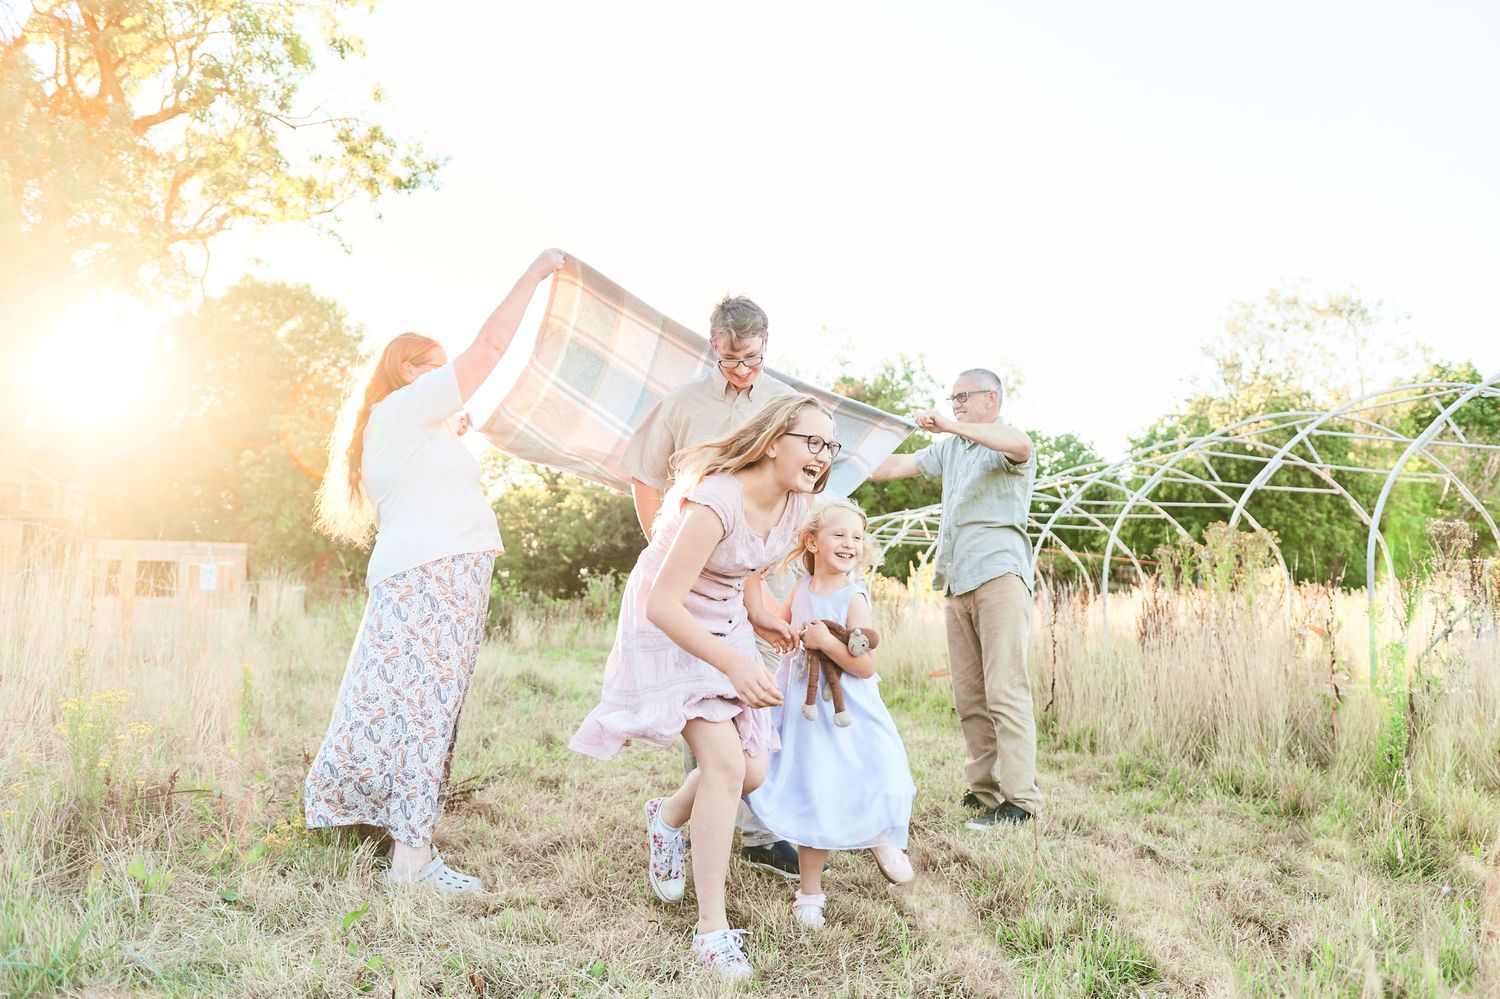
<point x="1006" y="815"/>
<point x="971" y="801"/>
<point x="779" y="857"/>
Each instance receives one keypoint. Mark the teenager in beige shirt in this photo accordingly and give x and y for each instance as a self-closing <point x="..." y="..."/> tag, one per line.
<point x="706" y="408"/>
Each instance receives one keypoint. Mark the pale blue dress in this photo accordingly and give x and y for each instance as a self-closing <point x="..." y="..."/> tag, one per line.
<point x="834" y="788"/>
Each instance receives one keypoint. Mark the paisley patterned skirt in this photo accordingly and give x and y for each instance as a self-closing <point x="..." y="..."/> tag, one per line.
<point x="388" y="754"/>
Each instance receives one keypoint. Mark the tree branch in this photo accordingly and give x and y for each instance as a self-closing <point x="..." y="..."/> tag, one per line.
<point x="146" y="122"/>
<point x="179" y="178"/>
<point x="198" y="234"/>
<point x="109" y="83"/>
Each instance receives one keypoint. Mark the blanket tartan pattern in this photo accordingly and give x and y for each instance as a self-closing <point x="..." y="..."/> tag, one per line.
<point x="603" y="359"/>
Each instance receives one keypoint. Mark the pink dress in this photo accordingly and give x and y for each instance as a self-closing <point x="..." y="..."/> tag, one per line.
<point x="651" y="685"/>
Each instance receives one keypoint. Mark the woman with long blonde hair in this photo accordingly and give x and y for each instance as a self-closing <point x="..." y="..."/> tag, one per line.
<point x="399" y="473"/>
<point x="684" y="662"/>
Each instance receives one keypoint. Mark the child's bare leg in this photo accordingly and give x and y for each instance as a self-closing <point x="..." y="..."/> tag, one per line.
<point x="755" y="772"/>
<point x="678" y="808"/>
<point x="720" y="782"/>
<point x="810" y="863"/>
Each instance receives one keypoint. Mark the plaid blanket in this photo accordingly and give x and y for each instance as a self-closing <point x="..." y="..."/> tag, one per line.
<point x="604" y="358"/>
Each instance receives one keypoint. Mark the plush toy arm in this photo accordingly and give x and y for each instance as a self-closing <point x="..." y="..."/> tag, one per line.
<point x="841" y="717"/>
<point x="810" y="706"/>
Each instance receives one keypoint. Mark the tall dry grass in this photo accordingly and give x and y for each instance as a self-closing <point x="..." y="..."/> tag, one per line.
<point x="1236" y="806"/>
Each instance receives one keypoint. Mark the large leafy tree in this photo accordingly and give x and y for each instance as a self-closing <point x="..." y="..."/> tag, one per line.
<point x="135" y="132"/>
<point x="1292" y="352"/>
<point x="253" y="382"/>
<point x="559" y="529"/>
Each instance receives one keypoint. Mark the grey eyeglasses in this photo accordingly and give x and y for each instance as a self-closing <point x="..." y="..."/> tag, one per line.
<point x="959" y="398"/>
<point x="730" y="363"/>
<point x="816" y="444"/>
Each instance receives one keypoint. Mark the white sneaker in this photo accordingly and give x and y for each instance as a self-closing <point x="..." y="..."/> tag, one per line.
<point x="667" y="871"/>
<point x="809" y="909"/>
<point x="893" y="863"/>
<point x="723" y="951"/>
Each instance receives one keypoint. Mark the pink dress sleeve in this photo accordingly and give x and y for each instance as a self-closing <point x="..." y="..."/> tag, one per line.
<point x="721" y="494"/>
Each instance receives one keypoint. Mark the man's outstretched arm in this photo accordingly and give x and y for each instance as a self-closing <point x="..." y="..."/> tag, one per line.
<point x="1009" y="441"/>
<point x="897" y="466"/>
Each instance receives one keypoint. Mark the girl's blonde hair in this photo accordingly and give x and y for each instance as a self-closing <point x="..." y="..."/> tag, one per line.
<point x="343" y="511"/>
<point x="801" y="559"/>
<point x="742" y="448"/>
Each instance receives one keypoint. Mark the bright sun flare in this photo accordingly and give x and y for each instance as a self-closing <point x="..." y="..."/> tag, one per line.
<point x="97" y="363"/>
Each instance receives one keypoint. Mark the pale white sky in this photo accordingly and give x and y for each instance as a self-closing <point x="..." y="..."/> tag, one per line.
<point x="1074" y="191"/>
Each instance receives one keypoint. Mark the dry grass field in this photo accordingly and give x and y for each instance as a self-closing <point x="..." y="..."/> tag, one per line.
<point x="1233" y="809"/>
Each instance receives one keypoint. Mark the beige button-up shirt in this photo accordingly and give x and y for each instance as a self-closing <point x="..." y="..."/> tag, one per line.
<point x="986" y="504"/>
<point x="704" y="409"/>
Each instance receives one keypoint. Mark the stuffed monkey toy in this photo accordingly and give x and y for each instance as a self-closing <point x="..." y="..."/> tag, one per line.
<point x="858" y="641"/>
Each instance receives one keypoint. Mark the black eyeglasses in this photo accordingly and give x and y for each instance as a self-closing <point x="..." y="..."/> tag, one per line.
<point x="959" y="398"/>
<point x="816" y="444"/>
<point x="730" y="363"/>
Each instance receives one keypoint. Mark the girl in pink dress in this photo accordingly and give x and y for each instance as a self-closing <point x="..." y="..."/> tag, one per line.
<point x="684" y="661"/>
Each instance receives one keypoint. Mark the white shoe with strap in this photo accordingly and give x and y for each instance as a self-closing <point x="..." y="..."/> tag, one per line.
<point x="436" y="875"/>
<point x="809" y="909"/>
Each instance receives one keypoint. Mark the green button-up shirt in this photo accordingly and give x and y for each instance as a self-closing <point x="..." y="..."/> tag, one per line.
<point x="986" y="503"/>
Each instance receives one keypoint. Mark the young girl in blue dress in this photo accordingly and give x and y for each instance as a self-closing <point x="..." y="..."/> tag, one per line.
<point x="831" y="787"/>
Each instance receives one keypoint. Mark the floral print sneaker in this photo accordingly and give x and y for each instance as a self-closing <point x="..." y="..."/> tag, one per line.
<point x="667" y="870"/>
<point x="723" y="952"/>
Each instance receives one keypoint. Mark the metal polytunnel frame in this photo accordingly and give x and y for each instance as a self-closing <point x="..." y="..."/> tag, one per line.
<point x="1103" y="497"/>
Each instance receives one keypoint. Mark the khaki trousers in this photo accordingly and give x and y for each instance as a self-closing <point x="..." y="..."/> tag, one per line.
<point x="989" y="631"/>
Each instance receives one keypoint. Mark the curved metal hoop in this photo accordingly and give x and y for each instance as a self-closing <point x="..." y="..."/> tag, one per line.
<point x="1103" y="497"/>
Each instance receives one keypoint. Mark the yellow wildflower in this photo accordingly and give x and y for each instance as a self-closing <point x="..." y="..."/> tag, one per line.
<point x="141" y="729"/>
<point x="232" y="749"/>
<point x="10" y="813"/>
<point x="19" y="790"/>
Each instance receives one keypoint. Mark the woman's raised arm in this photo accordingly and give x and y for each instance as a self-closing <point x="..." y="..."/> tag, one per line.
<point x="474" y="365"/>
